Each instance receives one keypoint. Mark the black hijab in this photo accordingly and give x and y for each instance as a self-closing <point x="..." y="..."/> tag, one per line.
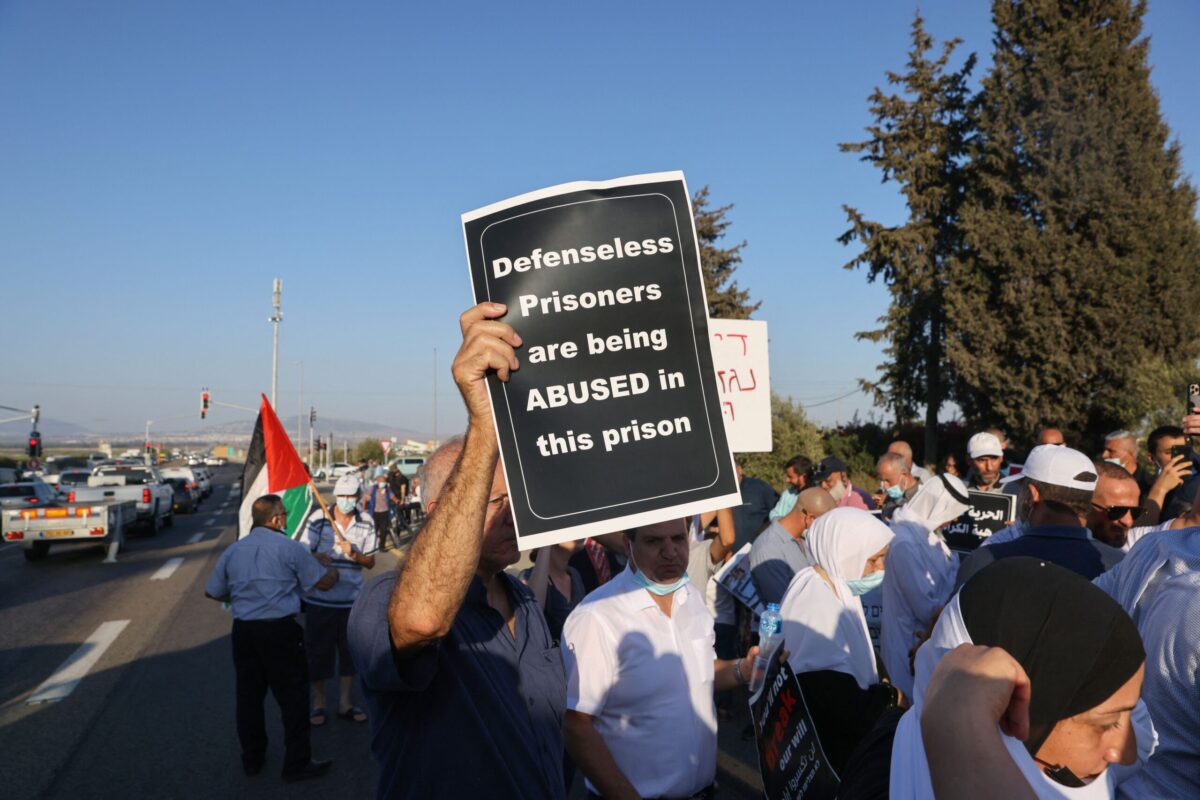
<point x="1077" y="645"/>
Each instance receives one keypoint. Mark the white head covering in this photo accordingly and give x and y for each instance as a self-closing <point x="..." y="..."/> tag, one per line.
<point x="826" y="629"/>
<point x="938" y="501"/>
<point x="920" y="571"/>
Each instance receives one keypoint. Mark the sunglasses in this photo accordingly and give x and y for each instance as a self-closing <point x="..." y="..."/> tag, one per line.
<point x="1117" y="512"/>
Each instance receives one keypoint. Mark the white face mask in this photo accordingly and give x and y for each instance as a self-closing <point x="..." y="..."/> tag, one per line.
<point x="1116" y="461"/>
<point x="838" y="491"/>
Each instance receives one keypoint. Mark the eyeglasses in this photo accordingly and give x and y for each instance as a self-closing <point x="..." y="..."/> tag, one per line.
<point x="1117" y="512"/>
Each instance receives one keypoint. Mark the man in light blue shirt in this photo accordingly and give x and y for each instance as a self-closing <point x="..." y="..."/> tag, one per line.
<point x="263" y="577"/>
<point x="797" y="473"/>
<point x="778" y="552"/>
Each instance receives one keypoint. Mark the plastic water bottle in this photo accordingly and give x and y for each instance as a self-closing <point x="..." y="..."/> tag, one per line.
<point x="770" y="636"/>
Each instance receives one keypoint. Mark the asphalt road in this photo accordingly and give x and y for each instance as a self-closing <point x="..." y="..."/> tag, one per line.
<point x="153" y="716"/>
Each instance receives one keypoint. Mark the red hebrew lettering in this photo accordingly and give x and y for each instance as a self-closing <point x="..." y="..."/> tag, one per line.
<point x="741" y="336"/>
<point x="753" y="383"/>
<point x="728" y="404"/>
<point x="721" y="378"/>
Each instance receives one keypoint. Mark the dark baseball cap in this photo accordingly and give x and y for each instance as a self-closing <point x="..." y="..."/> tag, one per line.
<point x="828" y="466"/>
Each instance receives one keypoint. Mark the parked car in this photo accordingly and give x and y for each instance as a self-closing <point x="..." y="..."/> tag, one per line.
<point x="213" y="461"/>
<point x="340" y="468"/>
<point x="186" y="495"/>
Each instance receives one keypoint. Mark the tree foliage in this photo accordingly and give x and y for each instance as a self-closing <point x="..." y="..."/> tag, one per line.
<point x="368" y="449"/>
<point x="725" y="299"/>
<point x="792" y="434"/>
<point x="1077" y="289"/>
<point x="1050" y="228"/>
<point x="919" y="139"/>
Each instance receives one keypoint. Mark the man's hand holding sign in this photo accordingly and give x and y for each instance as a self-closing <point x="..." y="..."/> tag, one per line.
<point x="614" y="419"/>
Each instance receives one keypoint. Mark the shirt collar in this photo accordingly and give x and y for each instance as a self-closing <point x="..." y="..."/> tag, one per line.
<point x="1058" y="532"/>
<point x="639" y="599"/>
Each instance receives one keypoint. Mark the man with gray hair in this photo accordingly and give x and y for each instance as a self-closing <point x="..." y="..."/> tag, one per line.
<point x="464" y="685"/>
<point x="896" y="483"/>
<point x="904" y="449"/>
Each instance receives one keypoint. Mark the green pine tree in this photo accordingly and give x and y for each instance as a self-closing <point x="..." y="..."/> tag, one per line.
<point x="725" y="299"/>
<point x="1077" y="295"/>
<point x="919" y="139"/>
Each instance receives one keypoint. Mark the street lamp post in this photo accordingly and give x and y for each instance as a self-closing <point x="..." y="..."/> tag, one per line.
<point x="275" y="318"/>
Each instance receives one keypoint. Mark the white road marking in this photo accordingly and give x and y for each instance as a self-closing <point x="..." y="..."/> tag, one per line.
<point x="211" y="521"/>
<point x="68" y="675"/>
<point x="167" y="569"/>
<point x="196" y="537"/>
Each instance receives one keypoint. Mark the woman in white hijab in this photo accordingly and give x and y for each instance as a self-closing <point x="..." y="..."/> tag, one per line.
<point x="920" y="572"/>
<point x="1085" y="664"/>
<point x="825" y="630"/>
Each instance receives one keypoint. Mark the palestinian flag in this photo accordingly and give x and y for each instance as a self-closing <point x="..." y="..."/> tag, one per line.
<point x="274" y="467"/>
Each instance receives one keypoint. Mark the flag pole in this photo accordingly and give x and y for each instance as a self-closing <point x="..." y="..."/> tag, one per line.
<point x="321" y="502"/>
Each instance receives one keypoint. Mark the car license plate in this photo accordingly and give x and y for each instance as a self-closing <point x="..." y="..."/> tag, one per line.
<point x="58" y="533"/>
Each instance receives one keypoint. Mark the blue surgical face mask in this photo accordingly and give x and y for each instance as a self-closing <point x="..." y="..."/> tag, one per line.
<point x="860" y="586"/>
<point x="346" y="505"/>
<point x="894" y="492"/>
<point x="660" y="589"/>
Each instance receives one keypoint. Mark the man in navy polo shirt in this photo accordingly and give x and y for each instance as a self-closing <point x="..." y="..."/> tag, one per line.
<point x="1055" y="497"/>
<point x="464" y="685"/>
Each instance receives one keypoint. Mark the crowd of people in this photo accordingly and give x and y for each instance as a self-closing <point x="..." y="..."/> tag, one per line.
<point x="1057" y="659"/>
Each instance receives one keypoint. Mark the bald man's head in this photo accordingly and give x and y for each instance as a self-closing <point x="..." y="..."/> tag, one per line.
<point x="902" y="449"/>
<point x="816" y="501"/>
<point x="1050" y="436"/>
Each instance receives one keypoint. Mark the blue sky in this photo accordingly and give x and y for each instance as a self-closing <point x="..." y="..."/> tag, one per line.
<point x="162" y="162"/>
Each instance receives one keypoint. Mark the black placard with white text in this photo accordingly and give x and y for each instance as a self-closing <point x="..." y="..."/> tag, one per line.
<point x="791" y="760"/>
<point x="613" y="419"/>
<point x="989" y="512"/>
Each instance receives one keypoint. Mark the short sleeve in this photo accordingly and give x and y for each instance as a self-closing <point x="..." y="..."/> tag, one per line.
<point x="218" y="585"/>
<point x="371" y="649"/>
<point x="588" y="650"/>
<point x="310" y="537"/>
<point x="368" y="540"/>
<point x="308" y="570"/>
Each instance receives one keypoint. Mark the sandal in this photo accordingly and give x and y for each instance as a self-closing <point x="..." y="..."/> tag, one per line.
<point x="353" y="714"/>
<point x="317" y="717"/>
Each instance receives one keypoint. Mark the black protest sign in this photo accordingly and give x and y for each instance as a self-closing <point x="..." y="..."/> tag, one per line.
<point x="613" y="419"/>
<point x="790" y="757"/>
<point x="989" y="512"/>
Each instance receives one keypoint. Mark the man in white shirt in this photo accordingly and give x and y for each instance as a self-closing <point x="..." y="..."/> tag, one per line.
<point x="641" y="671"/>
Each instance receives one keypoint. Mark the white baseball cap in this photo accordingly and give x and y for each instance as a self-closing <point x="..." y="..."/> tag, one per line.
<point x="984" y="444"/>
<point x="1059" y="466"/>
<point x="347" y="486"/>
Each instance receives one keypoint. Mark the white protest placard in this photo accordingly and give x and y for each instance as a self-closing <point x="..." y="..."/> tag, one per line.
<point x="735" y="577"/>
<point x="739" y="348"/>
<point x="613" y="420"/>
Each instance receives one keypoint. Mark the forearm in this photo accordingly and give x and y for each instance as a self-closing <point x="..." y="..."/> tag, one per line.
<point x="952" y="740"/>
<point x="445" y="555"/>
<point x="588" y="750"/>
<point x="725" y="674"/>
<point x="726" y="535"/>
<point x="223" y="599"/>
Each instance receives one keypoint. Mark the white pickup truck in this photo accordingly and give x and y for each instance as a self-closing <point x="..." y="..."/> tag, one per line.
<point x="35" y="529"/>
<point x="142" y="485"/>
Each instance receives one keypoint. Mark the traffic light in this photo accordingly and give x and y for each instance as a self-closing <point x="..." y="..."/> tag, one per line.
<point x="312" y="416"/>
<point x="204" y="402"/>
<point x="149" y="448"/>
<point x="35" y="445"/>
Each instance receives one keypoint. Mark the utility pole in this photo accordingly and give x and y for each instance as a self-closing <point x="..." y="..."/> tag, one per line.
<point x="300" y="411"/>
<point x="146" y="443"/>
<point x="435" y="397"/>
<point x="275" y="318"/>
<point x="329" y="453"/>
<point x="312" y="417"/>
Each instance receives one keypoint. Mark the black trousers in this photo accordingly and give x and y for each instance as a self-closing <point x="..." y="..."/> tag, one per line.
<point x="269" y="654"/>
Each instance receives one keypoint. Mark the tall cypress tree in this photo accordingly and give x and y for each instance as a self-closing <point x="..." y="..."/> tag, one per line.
<point x="919" y="139"/>
<point x="725" y="299"/>
<point x="1077" y="296"/>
